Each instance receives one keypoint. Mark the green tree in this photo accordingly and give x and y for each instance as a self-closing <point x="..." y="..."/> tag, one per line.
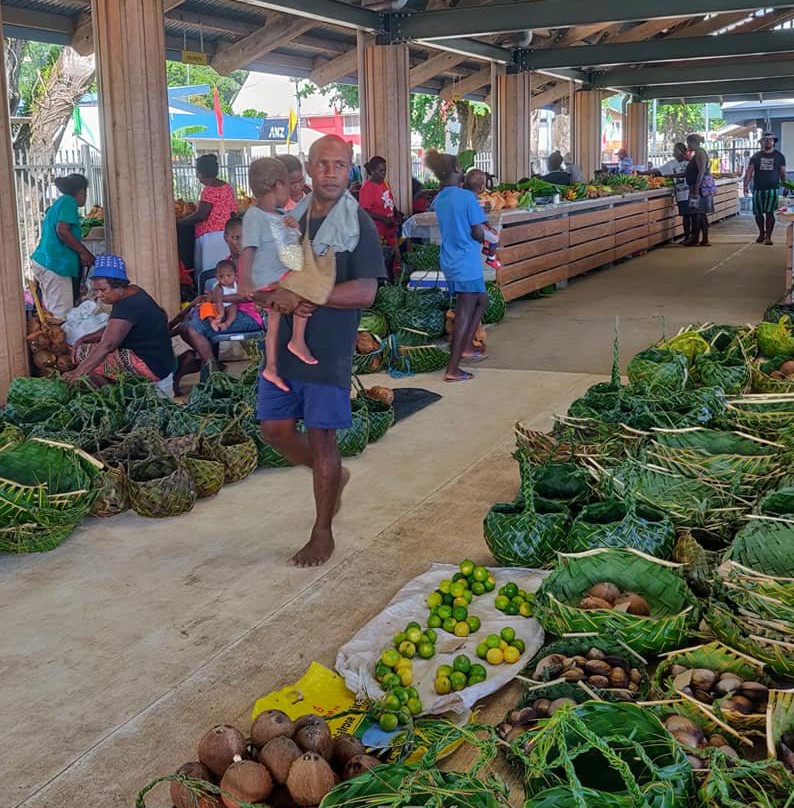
<point x="178" y="74"/>
<point x="675" y="121"/>
<point x="180" y="147"/>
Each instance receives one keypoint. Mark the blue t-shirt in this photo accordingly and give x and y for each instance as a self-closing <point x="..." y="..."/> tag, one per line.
<point x="457" y="211"/>
<point x="51" y="252"/>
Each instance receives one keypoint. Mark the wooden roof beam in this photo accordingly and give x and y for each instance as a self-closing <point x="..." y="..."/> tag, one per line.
<point x="279" y="30"/>
<point x="335" y="69"/>
<point x="434" y="66"/>
<point x="465" y="86"/>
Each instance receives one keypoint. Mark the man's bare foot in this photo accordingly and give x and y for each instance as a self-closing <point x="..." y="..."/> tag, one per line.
<point x="316" y="551"/>
<point x="275" y="379"/>
<point x="344" y="479"/>
<point x="302" y="352"/>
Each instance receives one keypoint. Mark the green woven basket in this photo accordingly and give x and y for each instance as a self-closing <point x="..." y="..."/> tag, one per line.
<point x="765" y="545"/>
<point x="423" y="319"/>
<point x="732" y="374"/>
<point x="389" y="300"/>
<point x="719" y="658"/>
<point x="374" y="322"/>
<point x="579" y="645"/>
<point x="760" y="382"/>
<point x="601" y="754"/>
<point x="673" y="607"/>
<point x="762" y="415"/>
<point x="527" y="532"/>
<point x="234" y="450"/>
<point x="659" y="370"/>
<point x="160" y="487"/>
<point x="112" y="492"/>
<point x="32" y="538"/>
<point x="353" y="440"/>
<point x="495" y="311"/>
<point x="419" y="359"/>
<point x="698" y="562"/>
<point x="612" y="523"/>
<point x="779" y="720"/>
<point x="411" y="337"/>
<point x="208" y="475"/>
<point x="373" y="361"/>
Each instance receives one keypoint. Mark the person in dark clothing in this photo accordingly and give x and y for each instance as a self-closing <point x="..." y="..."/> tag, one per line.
<point x="134" y="341"/>
<point x="765" y="170"/>
<point x="701" y="192"/>
<point x="556" y="175"/>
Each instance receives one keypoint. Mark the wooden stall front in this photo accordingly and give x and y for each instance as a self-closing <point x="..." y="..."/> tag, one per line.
<point x="544" y="246"/>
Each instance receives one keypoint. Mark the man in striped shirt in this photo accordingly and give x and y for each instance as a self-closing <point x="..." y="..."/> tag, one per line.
<point x="765" y="170"/>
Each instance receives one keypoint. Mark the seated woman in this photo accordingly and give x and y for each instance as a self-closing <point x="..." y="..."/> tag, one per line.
<point x="135" y="340"/>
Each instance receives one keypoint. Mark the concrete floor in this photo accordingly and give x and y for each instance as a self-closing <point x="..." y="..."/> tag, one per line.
<point x="120" y="648"/>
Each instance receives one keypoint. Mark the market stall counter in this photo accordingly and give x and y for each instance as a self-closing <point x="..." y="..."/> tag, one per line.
<point x="553" y="243"/>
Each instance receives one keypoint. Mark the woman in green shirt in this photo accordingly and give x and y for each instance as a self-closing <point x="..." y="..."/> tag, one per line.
<point x="57" y="259"/>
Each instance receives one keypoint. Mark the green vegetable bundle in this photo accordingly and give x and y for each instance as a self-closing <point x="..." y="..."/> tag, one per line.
<point x="774" y="339"/>
<point x="604" y="755"/>
<point x="673" y="607"/>
<point x="763" y="415"/>
<point x="659" y="369"/>
<point x="32" y="400"/>
<point x="423" y="258"/>
<point x="731" y="373"/>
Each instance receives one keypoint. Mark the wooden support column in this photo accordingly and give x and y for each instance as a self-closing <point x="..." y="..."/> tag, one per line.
<point x="136" y="143"/>
<point x="587" y="131"/>
<point x="636" y="140"/>
<point x="13" y="350"/>
<point x="513" y="108"/>
<point x="386" y="119"/>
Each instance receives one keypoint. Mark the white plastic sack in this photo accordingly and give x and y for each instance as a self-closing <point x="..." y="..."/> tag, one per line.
<point x="85" y="319"/>
<point x="356" y="660"/>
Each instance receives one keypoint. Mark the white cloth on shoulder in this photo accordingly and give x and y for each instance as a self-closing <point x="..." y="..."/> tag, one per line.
<point x="340" y="230"/>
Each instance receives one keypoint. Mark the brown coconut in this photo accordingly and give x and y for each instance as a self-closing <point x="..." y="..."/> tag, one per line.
<point x="314" y="736"/>
<point x="271" y="724"/>
<point x="278" y="754"/>
<point x="183" y="797"/>
<point x="310" y="779"/>
<point x="592" y="602"/>
<point x="358" y="765"/>
<point x="245" y="781"/>
<point x="218" y="747"/>
<point x="345" y="747"/>
<point x="605" y="590"/>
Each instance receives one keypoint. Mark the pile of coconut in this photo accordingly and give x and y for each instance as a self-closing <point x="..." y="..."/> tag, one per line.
<point x="285" y="763"/>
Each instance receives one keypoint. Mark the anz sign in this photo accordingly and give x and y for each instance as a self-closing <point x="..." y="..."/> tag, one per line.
<point x="274" y="129"/>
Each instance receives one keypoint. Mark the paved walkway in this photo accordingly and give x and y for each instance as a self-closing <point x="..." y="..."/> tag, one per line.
<point x="120" y="648"/>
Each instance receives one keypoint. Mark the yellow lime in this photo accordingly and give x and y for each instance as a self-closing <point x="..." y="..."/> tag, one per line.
<point x="495" y="656"/>
<point x="406" y="677"/>
<point x="414" y="706"/>
<point x="390" y="657"/>
<point x="511" y="655"/>
<point x="502" y="644"/>
<point x="434" y="599"/>
<point x="457" y="589"/>
<point x="480" y="574"/>
<point x="444" y="586"/>
<point x="444" y="670"/>
<point x="525" y="610"/>
<point x="462" y="629"/>
<point x="403" y="663"/>
<point x="467" y="567"/>
<point x="414" y="634"/>
<point x="407" y="648"/>
<point x="443" y="685"/>
<point x="459" y="603"/>
<point x="501" y="602"/>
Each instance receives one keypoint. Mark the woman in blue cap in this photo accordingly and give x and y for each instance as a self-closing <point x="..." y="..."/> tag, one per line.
<point x="135" y="340"/>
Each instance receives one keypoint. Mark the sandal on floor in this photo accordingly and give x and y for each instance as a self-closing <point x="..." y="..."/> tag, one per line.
<point x="464" y="377"/>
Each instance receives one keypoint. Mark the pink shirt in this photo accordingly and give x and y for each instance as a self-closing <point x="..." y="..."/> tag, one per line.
<point x="248" y="308"/>
<point x="291" y="204"/>
<point x="222" y="205"/>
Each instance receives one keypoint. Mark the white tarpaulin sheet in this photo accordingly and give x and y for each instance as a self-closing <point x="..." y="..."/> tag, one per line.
<point x="356" y="659"/>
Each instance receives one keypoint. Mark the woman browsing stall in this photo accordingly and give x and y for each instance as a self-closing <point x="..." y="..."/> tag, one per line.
<point x="134" y="341"/>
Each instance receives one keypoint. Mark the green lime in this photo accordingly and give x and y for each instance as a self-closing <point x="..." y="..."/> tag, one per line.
<point x="404" y="715"/>
<point x="391" y="702"/>
<point x="435" y="599"/>
<point x="414" y="634"/>
<point x="413" y="693"/>
<point x="519" y="644"/>
<point x="448" y="599"/>
<point x="489" y="584"/>
<point x="477" y="670"/>
<point x="468" y="595"/>
<point x="444" y="612"/>
<point x="478" y="588"/>
<point x="390" y="657"/>
<point x="474" y="623"/>
<point x="522" y="593"/>
<point x="461" y="663"/>
<point x="426" y="650"/>
<point x="389" y="722"/>
<point x="492" y="640"/>
<point x="443" y="685"/>
<point x="434" y="621"/>
<point x="501" y="602"/>
<point x="402" y="695"/>
<point x="460" y="613"/>
<point x="508" y="634"/>
<point x="458" y="576"/>
<point x="431" y="635"/>
<point x="398" y="638"/>
<point x="444" y="586"/>
<point x="389" y="681"/>
<point x="414" y="706"/>
<point x="467" y="567"/>
<point x="458" y="680"/>
<point x="482" y="650"/>
<point x="474" y="680"/>
<point x="458" y="588"/>
<point x="480" y="574"/>
<point x="413" y="624"/>
<point x="510" y="589"/>
<point x="444" y="670"/>
<point x="449" y="625"/>
<point x="518" y="600"/>
<point x="512" y="609"/>
<point x="407" y="649"/>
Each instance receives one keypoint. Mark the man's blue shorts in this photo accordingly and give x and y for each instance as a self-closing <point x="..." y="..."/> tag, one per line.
<point x="476" y="286"/>
<point x="322" y="406"/>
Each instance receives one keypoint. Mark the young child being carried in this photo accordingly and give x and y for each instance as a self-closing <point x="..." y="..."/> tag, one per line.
<point x="218" y="313"/>
<point x="474" y="181"/>
<point x="271" y="254"/>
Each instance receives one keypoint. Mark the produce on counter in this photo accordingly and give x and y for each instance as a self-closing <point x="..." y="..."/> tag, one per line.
<point x="696" y="743"/>
<point x="595" y="669"/>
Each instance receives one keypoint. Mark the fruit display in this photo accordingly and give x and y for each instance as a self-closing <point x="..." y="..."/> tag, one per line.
<point x="93" y="218"/>
<point x="513" y="601"/>
<point x="594" y="668"/>
<point x="698" y="745"/>
<point x="182" y="208"/>
<point x="462" y="673"/>
<point x="605" y="595"/>
<point x="47" y="343"/>
<point x="500" y="648"/>
<point x="518" y="721"/>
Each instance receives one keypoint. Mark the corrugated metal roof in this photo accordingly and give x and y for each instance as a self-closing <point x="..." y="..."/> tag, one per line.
<point x="67" y="7"/>
<point x="221" y="8"/>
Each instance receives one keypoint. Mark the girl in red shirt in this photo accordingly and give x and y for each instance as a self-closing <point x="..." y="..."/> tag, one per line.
<point x="376" y="198"/>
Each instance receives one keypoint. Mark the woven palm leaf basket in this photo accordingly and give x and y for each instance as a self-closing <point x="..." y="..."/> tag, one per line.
<point x="112" y="492"/>
<point x="234" y="450"/>
<point x="208" y="475"/>
<point x="381" y="414"/>
<point x="779" y="723"/>
<point x="33" y="538"/>
<point x="673" y="608"/>
<point x="416" y="359"/>
<point x="719" y="659"/>
<point x="160" y="486"/>
<point x="762" y="415"/>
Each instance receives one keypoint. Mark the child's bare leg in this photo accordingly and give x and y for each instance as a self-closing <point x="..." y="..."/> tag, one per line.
<point x="297" y="343"/>
<point x="271" y="352"/>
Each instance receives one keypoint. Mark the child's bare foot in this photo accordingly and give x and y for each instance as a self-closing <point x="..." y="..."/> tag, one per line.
<point x="223" y="326"/>
<point x="215" y="325"/>
<point x="316" y="551"/>
<point x="302" y="352"/>
<point x="275" y="379"/>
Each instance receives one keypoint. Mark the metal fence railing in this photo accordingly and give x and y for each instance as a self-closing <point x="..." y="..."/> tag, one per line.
<point x="35" y="191"/>
<point x="728" y="158"/>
